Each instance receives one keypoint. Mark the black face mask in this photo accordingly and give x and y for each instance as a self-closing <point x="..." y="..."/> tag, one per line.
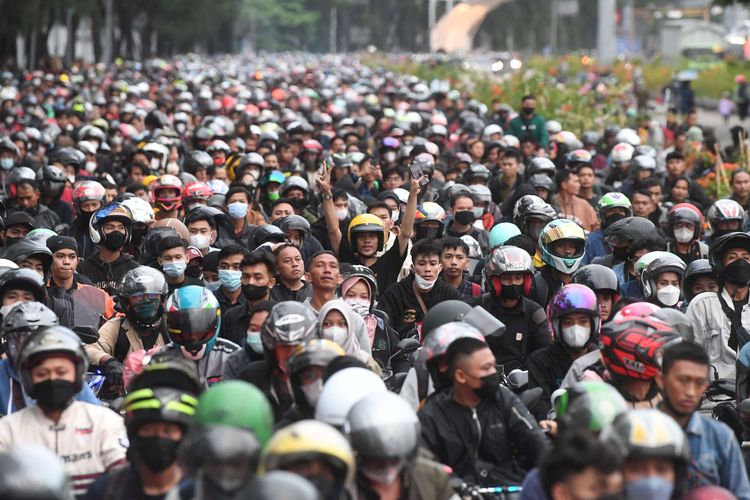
<point x="193" y="271"/>
<point x="620" y="253"/>
<point x="114" y="240"/>
<point x="738" y="272"/>
<point x="528" y="111"/>
<point x="464" y="217"/>
<point x="490" y="386"/>
<point x="427" y="232"/>
<point x="511" y="292"/>
<point x="611" y="219"/>
<point x="254" y="293"/>
<point x="84" y="217"/>
<point x="155" y="452"/>
<point x="11" y="241"/>
<point x="299" y="204"/>
<point x="54" y="394"/>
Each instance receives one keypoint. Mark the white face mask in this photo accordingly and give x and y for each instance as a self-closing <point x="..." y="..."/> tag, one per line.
<point x="155" y="163"/>
<point x="395" y="215"/>
<point x="342" y="214"/>
<point x="336" y="334"/>
<point x="90" y="166"/>
<point x="200" y="241"/>
<point x="385" y="475"/>
<point x="359" y="306"/>
<point x="669" y="295"/>
<point x="422" y="283"/>
<point x="312" y="392"/>
<point x="576" y="336"/>
<point x="254" y="341"/>
<point x="683" y="235"/>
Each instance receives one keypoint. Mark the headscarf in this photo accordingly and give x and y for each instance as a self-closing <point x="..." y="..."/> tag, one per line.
<point x="353" y="322"/>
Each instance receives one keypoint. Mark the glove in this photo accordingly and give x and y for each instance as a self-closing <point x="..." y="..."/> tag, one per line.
<point x="113" y="370"/>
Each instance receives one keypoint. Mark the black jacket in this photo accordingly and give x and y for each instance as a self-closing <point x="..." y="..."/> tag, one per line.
<point x="106" y="275"/>
<point x="43" y="216"/>
<point x="280" y="292"/>
<point x="544" y="286"/>
<point x="400" y="303"/>
<point x="547" y="368"/>
<point x="490" y="445"/>
<point x="79" y="230"/>
<point x="234" y="323"/>
<point x="226" y="304"/>
<point x="266" y="378"/>
<point x="526" y="331"/>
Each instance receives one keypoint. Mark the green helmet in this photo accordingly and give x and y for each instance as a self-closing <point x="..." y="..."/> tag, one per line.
<point x="503" y="232"/>
<point x="589" y="404"/>
<point x="612" y="200"/>
<point x="236" y="404"/>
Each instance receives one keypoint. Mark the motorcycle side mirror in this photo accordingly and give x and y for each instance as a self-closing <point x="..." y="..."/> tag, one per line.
<point x="482" y="320"/>
<point x="87" y="334"/>
<point x="407" y="346"/>
<point x="518" y="378"/>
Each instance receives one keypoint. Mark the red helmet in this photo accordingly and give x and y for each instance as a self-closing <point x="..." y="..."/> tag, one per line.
<point x="160" y="198"/>
<point x="88" y="190"/>
<point x="636" y="310"/>
<point x="312" y="145"/>
<point x="633" y="349"/>
<point x="196" y="191"/>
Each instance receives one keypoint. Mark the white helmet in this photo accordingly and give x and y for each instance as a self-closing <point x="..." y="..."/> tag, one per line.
<point x="154" y="148"/>
<point x="491" y="130"/>
<point x="510" y="141"/>
<point x="628" y="135"/>
<point x="553" y="127"/>
<point x="342" y="391"/>
<point x="142" y="210"/>
<point x="622" y="152"/>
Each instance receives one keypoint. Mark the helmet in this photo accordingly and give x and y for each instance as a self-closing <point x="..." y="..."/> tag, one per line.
<point x="315" y="352"/>
<point x="476" y="171"/>
<point x="612" y="200"/>
<point x="289" y="323"/>
<point x="491" y="130"/>
<point x="197" y="160"/>
<point x="293" y="222"/>
<point x="217" y="145"/>
<point x="162" y="200"/>
<point x="367" y="223"/>
<point x="28" y="248"/>
<point x="645" y="150"/>
<point x="531" y="206"/>
<point x="628" y="136"/>
<point x="710" y="492"/>
<point x="308" y="440"/>
<point x="662" y="264"/>
<point x="443" y="312"/>
<point x="507" y="259"/>
<point x="238" y="404"/>
<point x="622" y="152"/>
<point x="69" y="156"/>
<point x="646" y="259"/>
<point x="88" y="190"/>
<point x="627" y="230"/>
<point x="280" y="485"/>
<point x="158" y="404"/>
<point x="481" y="194"/>
<point x="685" y="212"/>
<point x="51" y="180"/>
<point x="268" y="232"/>
<point x="726" y="210"/>
<point x="23" y="279"/>
<point x="142" y="292"/>
<point x="636" y="310"/>
<point x="599" y="278"/>
<point x="643" y="162"/>
<point x="51" y="340"/>
<point x="165" y="368"/>
<point x="502" y="232"/>
<point x="578" y="157"/>
<point x="21" y="321"/>
<point x="33" y="471"/>
<point x="436" y="341"/>
<point x="561" y="230"/>
<point x="142" y="211"/>
<point x="677" y="319"/>
<point x="342" y="391"/>
<point x="177" y="225"/>
<point x="632" y="349"/>
<point x="17" y="176"/>
<point x="542" y="165"/>
<point x="591" y="405"/>
<point x="112" y="211"/>
<point x="158" y="152"/>
<point x="590" y="137"/>
<point x="383" y="426"/>
<point x="573" y="298"/>
<point x="647" y="432"/>
<point x="272" y="176"/>
<point x="196" y="191"/>
<point x="694" y="270"/>
<point x="193" y="320"/>
<point x="294" y="182"/>
<point x="720" y="246"/>
<point x="430" y="211"/>
<point x="312" y="145"/>
<point x="541" y="181"/>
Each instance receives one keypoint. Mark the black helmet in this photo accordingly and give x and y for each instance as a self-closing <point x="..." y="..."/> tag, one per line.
<point x="25" y="249"/>
<point x="142" y="292"/>
<point x="23" y="279"/>
<point x="444" y="312"/>
<point x="720" y="246"/>
<point x="694" y="270"/>
<point x="69" y="156"/>
<point x="197" y="160"/>
<point x="293" y="222"/>
<point x="18" y="176"/>
<point x="21" y="321"/>
<point x="268" y="232"/>
<point x="51" y="180"/>
<point x="628" y="230"/>
<point x="531" y="206"/>
<point x="599" y="278"/>
<point x="166" y="368"/>
<point x="541" y="165"/>
<point x="315" y="352"/>
<point x="158" y="404"/>
<point x="541" y="181"/>
<point x="290" y="323"/>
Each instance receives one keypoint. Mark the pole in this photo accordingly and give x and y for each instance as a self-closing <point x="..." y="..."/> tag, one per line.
<point x="431" y="14"/>
<point x="553" y="26"/>
<point x="108" y="20"/>
<point x="332" y="33"/>
<point x="605" y="32"/>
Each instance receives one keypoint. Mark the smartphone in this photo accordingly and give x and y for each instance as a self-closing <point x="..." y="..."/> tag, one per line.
<point x="417" y="173"/>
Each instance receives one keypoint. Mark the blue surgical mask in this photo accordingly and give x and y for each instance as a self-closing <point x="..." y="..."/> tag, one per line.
<point x="237" y="210"/>
<point x="6" y="163"/>
<point x="253" y="340"/>
<point x="212" y="286"/>
<point x="651" y="488"/>
<point x="230" y="279"/>
<point x="174" y="269"/>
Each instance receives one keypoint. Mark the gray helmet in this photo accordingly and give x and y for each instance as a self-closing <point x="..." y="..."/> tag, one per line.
<point x="33" y="471"/>
<point x="383" y="426"/>
<point x="23" y="279"/>
<point x="294" y="182"/>
<point x="658" y="435"/>
<point x="290" y="323"/>
<point x="541" y="165"/>
<point x="146" y="282"/>
<point x="663" y="264"/>
<point x="51" y="340"/>
<point x="442" y="313"/>
<point x="24" y="319"/>
<point x="293" y="222"/>
<point x="280" y="485"/>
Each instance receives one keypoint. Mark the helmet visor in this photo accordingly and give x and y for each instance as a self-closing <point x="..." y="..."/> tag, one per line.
<point x="191" y="326"/>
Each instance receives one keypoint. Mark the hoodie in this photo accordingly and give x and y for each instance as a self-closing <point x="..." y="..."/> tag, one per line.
<point x="354" y="323"/>
<point x="106" y="275"/>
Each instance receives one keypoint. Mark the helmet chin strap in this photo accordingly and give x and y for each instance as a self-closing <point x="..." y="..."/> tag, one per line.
<point x="193" y="357"/>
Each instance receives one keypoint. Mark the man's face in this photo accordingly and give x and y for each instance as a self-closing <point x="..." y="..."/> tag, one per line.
<point x="176" y="254"/>
<point x="272" y="162"/>
<point x="655" y="193"/>
<point x="27" y="196"/>
<point x="741" y="184"/>
<point x="736" y="254"/>
<point x="91" y="205"/>
<point x="64" y="263"/>
<point x="15" y="296"/>
<point x="564" y="248"/>
<point x="257" y="320"/>
<point x="454" y="262"/>
<point x="17" y="231"/>
<point x="237" y="197"/>
<point x="509" y="167"/>
<point x="471" y="369"/>
<point x="393" y="181"/>
<point x="586" y="177"/>
<point x="427" y="266"/>
<point x="605" y="305"/>
<point x="164" y="430"/>
<point x="675" y="167"/>
<point x="642" y="468"/>
<point x="585" y="485"/>
<point x="53" y="368"/>
<point x="684" y="385"/>
<point x="572" y="185"/>
<point x="367" y="244"/>
<point x="230" y="263"/>
<point x="290" y="265"/>
<point x="668" y="278"/>
<point x="202" y="228"/>
<point x="463" y="204"/>
<point x="111" y="226"/>
<point x="573" y="319"/>
<point x="281" y="210"/>
<point x="324" y="272"/>
<point x="257" y="275"/>
<point x="34" y="264"/>
<point x="643" y="205"/>
<point x="295" y="194"/>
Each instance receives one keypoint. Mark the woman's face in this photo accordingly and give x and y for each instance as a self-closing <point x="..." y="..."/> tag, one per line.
<point x="358" y="291"/>
<point x="680" y="190"/>
<point x="334" y="318"/>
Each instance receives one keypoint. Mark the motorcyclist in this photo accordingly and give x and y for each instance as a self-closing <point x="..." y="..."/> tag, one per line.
<point x="51" y="181"/>
<point x="684" y="227"/>
<point x="603" y="282"/>
<point x="698" y="278"/>
<point x="21" y="185"/>
<point x="562" y="246"/>
<point x="610" y="208"/>
<point x="662" y="280"/>
<point x="88" y="197"/>
<point x="725" y="216"/>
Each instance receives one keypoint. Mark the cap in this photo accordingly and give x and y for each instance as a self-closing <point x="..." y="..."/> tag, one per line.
<point x="55" y="243"/>
<point x="19" y="218"/>
<point x="193" y="253"/>
<point x="211" y="262"/>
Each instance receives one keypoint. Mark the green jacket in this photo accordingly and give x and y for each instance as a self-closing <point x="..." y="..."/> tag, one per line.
<point x="536" y="128"/>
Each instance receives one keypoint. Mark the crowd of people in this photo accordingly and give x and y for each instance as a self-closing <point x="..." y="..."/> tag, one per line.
<point x="306" y="278"/>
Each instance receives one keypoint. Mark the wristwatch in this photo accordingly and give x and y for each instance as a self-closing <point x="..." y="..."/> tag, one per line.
<point x="328" y="196"/>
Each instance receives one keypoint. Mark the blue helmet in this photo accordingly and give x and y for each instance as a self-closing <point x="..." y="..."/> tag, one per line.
<point x="503" y="232"/>
<point x="193" y="320"/>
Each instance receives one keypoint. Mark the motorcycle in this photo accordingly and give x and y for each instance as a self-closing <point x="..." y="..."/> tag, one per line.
<point x="473" y="492"/>
<point x="394" y="381"/>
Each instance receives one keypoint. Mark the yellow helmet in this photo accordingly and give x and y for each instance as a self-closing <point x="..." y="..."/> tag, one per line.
<point x="309" y="440"/>
<point x="367" y="223"/>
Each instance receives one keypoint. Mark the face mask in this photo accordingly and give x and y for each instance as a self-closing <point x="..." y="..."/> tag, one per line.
<point x="4" y="310"/>
<point x="489" y="387"/>
<point x="669" y="295"/>
<point x="738" y="272"/>
<point x="427" y="232"/>
<point x="651" y="488"/>
<point x="174" y="269"/>
<point x="254" y="342"/>
<point x="54" y="394"/>
<point x="212" y="286"/>
<point x="336" y="334"/>
<point x="155" y="163"/>
<point x="382" y="475"/>
<point x="147" y="310"/>
<point x="422" y="283"/>
<point x="114" y="240"/>
<point x="156" y="453"/>
<point x="478" y="212"/>
<point x="683" y="235"/>
<point x="90" y="167"/>
<point x="620" y="253"/>
<point x="180" y="128"/>
<point x="342" y="214"/>
<point x="576" y="336"/>
<point x="237" y="210"/>
<point x="528" y="111"/>
<point x="6" y="163"/>
<point x="273" y="195"/>
<point x="116" y="140"/>
<point x="465" y="217"/>
<point x="200" y="241"/>
<point x="298" y="204"/>
<point x="511" y="292"/>
<point x="390" y="156"/>
<point x="359" y="306"/>
<point x="254" y="293"/>
<point x="395" y="215"/>
<point x="608" y="221"/>
<point x="312" y="392"/>
<point x="230" y="279"/>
